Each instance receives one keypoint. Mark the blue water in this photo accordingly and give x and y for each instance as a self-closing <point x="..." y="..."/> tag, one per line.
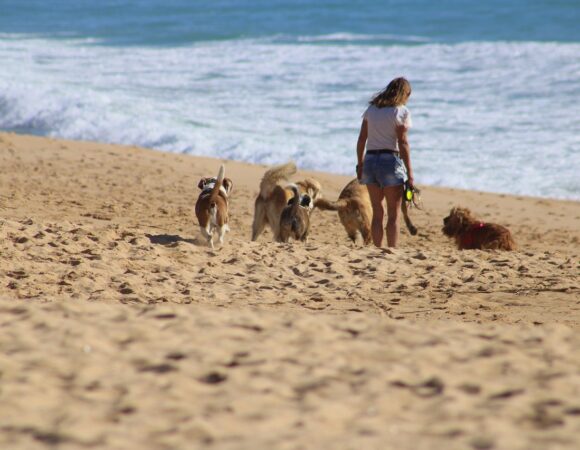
<point x="496" y="84"/>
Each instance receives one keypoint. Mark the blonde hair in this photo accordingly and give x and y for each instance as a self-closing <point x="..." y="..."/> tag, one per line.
<point x="395" y="94"/>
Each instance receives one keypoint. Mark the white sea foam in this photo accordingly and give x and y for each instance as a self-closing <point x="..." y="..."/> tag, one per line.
<point x="353" y="37"/>
<point x="497" y="117"/>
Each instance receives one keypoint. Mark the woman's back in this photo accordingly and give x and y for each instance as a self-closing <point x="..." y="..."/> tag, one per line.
<point x="382" y="126"/>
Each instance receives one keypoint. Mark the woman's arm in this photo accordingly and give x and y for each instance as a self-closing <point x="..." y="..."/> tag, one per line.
<point x="405" y="151"/>
<point x="360" y="148"/>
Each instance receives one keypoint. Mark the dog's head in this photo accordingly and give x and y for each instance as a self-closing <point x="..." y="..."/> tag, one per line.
<point x="305" y="201"/>
<point x="228" y="185"/>
<point x="458" y="220"/>
<point x="310" y="188"/>
<point x="208" y="183"/>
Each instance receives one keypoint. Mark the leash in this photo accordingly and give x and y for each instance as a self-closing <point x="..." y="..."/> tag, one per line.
<point x="411" y="195"/>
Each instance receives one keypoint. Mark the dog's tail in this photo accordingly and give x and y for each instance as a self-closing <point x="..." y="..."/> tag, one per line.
<point x="216" y="191"/>
<point x="328" y="205"/>
<point x="273" y="176"/>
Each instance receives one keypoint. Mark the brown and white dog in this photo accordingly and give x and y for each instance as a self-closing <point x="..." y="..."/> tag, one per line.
<point x="211" y="207"/>
<point x="295" y="218"/>
<point x="470" y="233"/>
<point x="356" y="212"/>
<point x="273" y="198"/>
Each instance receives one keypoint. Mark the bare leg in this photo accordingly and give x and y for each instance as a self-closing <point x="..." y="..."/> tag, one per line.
<point x="376" y="194"/>
<point x="394" y="196"/>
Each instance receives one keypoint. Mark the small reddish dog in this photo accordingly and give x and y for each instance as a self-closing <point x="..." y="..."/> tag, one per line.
<point x="470" y="233"/>
<point x="211" y="208"/>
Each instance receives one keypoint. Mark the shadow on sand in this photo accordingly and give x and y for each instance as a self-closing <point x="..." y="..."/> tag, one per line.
<point x="170" y="240"/>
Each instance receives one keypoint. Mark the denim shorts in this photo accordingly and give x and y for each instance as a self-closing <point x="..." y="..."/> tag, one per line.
<point x="385" y="169"/>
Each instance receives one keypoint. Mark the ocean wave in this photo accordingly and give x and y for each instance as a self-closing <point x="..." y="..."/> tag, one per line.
<point x="485" y="114"/>
<point x="367" y="38"/>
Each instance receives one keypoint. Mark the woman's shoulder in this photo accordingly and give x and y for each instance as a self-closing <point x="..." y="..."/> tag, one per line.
<point x="369" y="110"/>
<point x="381" y="109"/>
<point x="394" y="109"/>
<point x="403" y="116"/>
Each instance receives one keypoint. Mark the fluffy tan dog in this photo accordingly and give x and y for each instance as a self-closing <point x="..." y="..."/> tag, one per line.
<point x="470" y="233"/>
<point x="211" y="207"/>
<point x="273" y="198"/>
<point x="295" y="218"/>
<point x="356" y="212"/>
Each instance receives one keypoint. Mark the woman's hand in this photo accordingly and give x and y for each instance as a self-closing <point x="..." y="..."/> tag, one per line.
<point x="405" y="152"/>
<point x="359" y="171"/>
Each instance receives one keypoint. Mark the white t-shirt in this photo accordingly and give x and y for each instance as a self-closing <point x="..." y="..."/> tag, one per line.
<point x="382" y="126"/>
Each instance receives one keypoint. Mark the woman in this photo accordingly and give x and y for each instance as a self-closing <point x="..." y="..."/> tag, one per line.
<point x="387" y="160"/>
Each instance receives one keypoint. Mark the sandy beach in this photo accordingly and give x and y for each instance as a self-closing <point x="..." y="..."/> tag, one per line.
<point x="120" y="329"/>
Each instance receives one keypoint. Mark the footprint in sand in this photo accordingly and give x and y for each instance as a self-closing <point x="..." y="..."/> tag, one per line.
<point x="423" y="283"/>
<point x="157" y="368"/>
<point x="213" y="378"/>
<point x="421" y="256"/>
<point x="125" y="289"/>
<point x="470" y="388"/>
<point x="428" y="388"/>
<point x="544" y="415"/>
<point x="89" y="254"/>
<point x="175" y="356"/>
<point x="17" y="274"/>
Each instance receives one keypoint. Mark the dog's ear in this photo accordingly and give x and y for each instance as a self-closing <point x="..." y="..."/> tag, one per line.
<point x="228" y="185"/>
<point x="306" y="201"/>
<point x="463" y="216"/>
<point x="201" y="183"/>
<point x="312" y="187"/>
<point x="453" y="214"/>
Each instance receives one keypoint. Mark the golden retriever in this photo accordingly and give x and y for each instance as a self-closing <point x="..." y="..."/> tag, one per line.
<point x="273" y="198"/>
<point x="356" y="212"/>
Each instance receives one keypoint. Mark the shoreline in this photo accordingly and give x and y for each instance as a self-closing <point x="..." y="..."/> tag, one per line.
<point x="528" y="214"/>
<point x="120" y="329"/>
<point x="305" y="170"/>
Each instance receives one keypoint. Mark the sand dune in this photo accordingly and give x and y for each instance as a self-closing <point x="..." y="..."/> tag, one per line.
<point x="120" y="329"/>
